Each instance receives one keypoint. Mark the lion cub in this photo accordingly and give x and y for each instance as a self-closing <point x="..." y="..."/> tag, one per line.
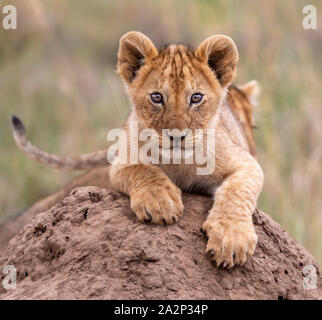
<point x="187" y="90"/>
<point x="179" y="88"/>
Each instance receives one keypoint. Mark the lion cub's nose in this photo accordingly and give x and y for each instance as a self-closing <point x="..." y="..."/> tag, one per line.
<point x="176" y="135"/>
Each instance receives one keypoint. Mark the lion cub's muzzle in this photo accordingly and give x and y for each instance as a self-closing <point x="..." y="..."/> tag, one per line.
<point x="176" y="137"/>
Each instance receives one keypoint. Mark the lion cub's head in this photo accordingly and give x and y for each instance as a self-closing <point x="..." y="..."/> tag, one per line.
<point x="176" y="87"/>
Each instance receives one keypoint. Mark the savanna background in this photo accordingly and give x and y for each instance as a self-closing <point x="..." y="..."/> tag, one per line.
<point x="57" y="72"/>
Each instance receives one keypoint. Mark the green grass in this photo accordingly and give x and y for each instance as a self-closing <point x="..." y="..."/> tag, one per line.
<point x="58" y="75"/>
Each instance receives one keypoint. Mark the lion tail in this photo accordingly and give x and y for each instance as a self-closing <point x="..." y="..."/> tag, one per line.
<point x="81" y="162"/>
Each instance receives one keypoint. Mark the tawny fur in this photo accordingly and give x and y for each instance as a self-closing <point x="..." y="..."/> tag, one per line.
<point x="177" y="72"/>
<point x="81" y="162"/>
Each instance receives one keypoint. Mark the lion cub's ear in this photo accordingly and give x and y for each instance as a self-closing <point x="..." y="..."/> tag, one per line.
<point x="135" y="48"/>
<point x="221" y="55"/>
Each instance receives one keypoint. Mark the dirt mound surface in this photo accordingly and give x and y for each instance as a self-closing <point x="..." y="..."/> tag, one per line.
<point x="91" y="246"/>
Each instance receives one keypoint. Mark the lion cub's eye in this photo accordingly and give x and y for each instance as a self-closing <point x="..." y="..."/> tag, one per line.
<point x="196" y="98"/>
<point x="156" y="97"/>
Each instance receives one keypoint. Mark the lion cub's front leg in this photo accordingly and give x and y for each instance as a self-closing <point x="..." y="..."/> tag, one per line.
<point x="154" y="198"/>
<point x="229" y="226"/>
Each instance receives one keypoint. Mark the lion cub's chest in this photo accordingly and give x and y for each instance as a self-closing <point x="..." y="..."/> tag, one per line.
<point x="184" y="176"/>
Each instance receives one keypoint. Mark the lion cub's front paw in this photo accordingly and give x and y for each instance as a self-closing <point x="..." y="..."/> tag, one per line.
<point x="158" y="203"/>
<point x="229" y="242"/>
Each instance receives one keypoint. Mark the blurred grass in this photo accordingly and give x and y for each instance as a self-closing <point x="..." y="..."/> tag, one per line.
<point x="57" y="74"/>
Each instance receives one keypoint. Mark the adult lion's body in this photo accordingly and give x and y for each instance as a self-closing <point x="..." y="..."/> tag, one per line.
<point x="180" y="89"/>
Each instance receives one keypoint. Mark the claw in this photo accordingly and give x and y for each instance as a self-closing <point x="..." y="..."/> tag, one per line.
<point x="210" y="253"/>
<point x="149" y="219"/>
<point x="204" y="233"/>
